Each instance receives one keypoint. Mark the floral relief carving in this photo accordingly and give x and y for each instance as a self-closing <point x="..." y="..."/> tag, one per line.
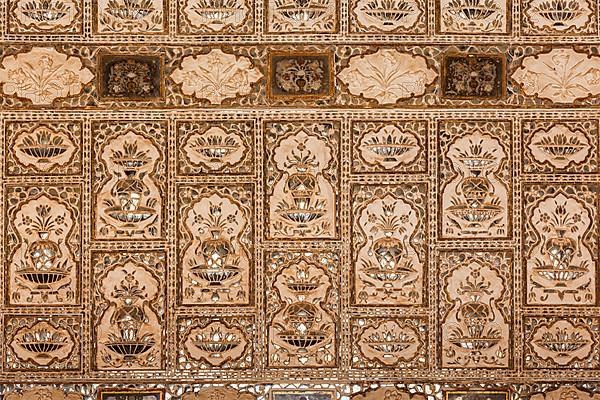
<point x="565" y="392"/>
<point x="389" y="343"/>
<point x="567" y="342"/>
<point x="388" y="393"/>
<point x="302" y="307"/>
<point x="50" y="16"/>
<point x="42" y="343"/>
<point x="130" y="181"/>
<point x="473" y="16"/>
<point x="389" y="15"/>
<point x="475" y="308"/>
<point x="216" y="76"/>
<point x="48" y="147"/>
<point x="43" y="75"/>
<point x="387" y="76"/>
<point x="218" y="393"/>
<point x="216" y="147"/>
<point x="301" y="16"/>
<point x="215" y="16"/>
<point x="129" y="308"/>
<point x="302" y="178"/>
<point x="475" y="179"/>
<point x="216" y="343"/>
<point x="389" y="146"/>
<point x="562" y="76"/>
<point x="216" y="244"/>
<point x="43" y="392"/>
<point x="390" y="244"/>
<point x="561" y="146"/>
<point x="44" y="245"/>
<point x="130" y="16"/>
<point x="560" y="244"/>
<point x="559" y="16"/>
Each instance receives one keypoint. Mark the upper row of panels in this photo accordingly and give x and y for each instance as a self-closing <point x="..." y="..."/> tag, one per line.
<point x="277" y="17"/>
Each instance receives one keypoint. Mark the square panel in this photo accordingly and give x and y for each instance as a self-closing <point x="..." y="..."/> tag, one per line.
<point x="559" y="18"/>
<point x="383" y="17"/>
<point x="293" y="16"/>
<point x="216" y="147"/>
<point x="473" y="76"/>
<point x="473" y="17"/>
<point x="130" y="77"/>
<point x="119" y="17"/>
<point x="205" y="17"/>
<point x="43" y="17"/>
<point x="303" y="75"/>
<point x="44" y="147"/>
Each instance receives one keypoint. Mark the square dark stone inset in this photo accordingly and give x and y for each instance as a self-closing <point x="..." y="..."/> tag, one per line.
<point x="302" y="75"/>
<point x="130" y="395"/>
<point x="468" y="76"/>
<point x="130" y="77"/>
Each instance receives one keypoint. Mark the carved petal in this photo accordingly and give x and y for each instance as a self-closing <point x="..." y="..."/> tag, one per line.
<point x="216" y="76"/>
<point x="42" y="75"/>
<point x="387" y="76"/>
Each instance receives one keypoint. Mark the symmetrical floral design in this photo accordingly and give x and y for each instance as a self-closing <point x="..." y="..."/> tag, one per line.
<point x="473" y="76"/>
<point x="302" y="292"/>
<point x="215" y="343"/>
<point x="43" y="148"/>
<point x="300" y="16"/>
<point x="129" y="185"/>
<point x="42" y="343"/>
<point x="565" y="392"/>
<point x="473" y="16"/>
<point x="130" y="77"/>
<point x="215" y="244"/>
<point x="558" y="16"/>
<point x="43" y="392"/>
<point x="301" y="75"/>
<point x="45" y="16"/>
<point x="388" y="393"/>
<point x="216" y="76"/>
<point x="216" y="147"/>
<point x="43" y="245"/>
<point x="475" y="308"/>
<point x="387" y="76"/>
<point x="389" y="16"/>
<point x="389" y="146"/>
<point x="560" y="244"/>
<point x="389" y="343"/>
<point x="560" y="146"/>
<point x="130" y="16"/>
<point x="214" y="16"/>
<point x="42" y="75"/>
<point x="301" y="196"/>
<point x="220" y="393"/>
<point x="129" y="308"/>
<point x="475" y="199"/>
<point x="562" y="75"/>
<point x="566" y="342"/>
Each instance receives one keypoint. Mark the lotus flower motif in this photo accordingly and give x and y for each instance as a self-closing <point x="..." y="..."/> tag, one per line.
<point x="387" y="76"/>
<point x="559" y="146"/>
<point x="216" y="343"/>
<point x="42" y="343"/>
<point x="562" y="341"/>
<point x="388" y="15"/>
<point x="390" y="342"/>
<point x="559" y="15"/>
<point x="216" y="76"/>
<point x="216" y="15"/>
<point x="46" y="14"/>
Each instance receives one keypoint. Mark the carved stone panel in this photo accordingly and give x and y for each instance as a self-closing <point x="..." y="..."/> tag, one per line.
<point x="219" y="343"/>
<point x="302" y="299"/>
<point x="302" y="179"/>
<point x="216" y="244"/>
<point x="475" y="309"/>
<point x="42" y="343"/>
<point x="389" y="244"/>
<point x="560" y="244"/>
<point x="129" y="180"/>
<point x="43" y="148"/>
<point x="129" y="310"/>
<point x="475" y="179"/>
<point x="561" y="343"/>
<point x="43" y="245"/>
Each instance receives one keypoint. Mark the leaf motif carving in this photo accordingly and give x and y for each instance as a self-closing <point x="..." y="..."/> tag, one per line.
<point x="216" y="76"/>
<point x="387" y="76"/>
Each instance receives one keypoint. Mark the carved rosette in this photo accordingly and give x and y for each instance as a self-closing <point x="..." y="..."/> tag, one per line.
<point x="302" y="308"/>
